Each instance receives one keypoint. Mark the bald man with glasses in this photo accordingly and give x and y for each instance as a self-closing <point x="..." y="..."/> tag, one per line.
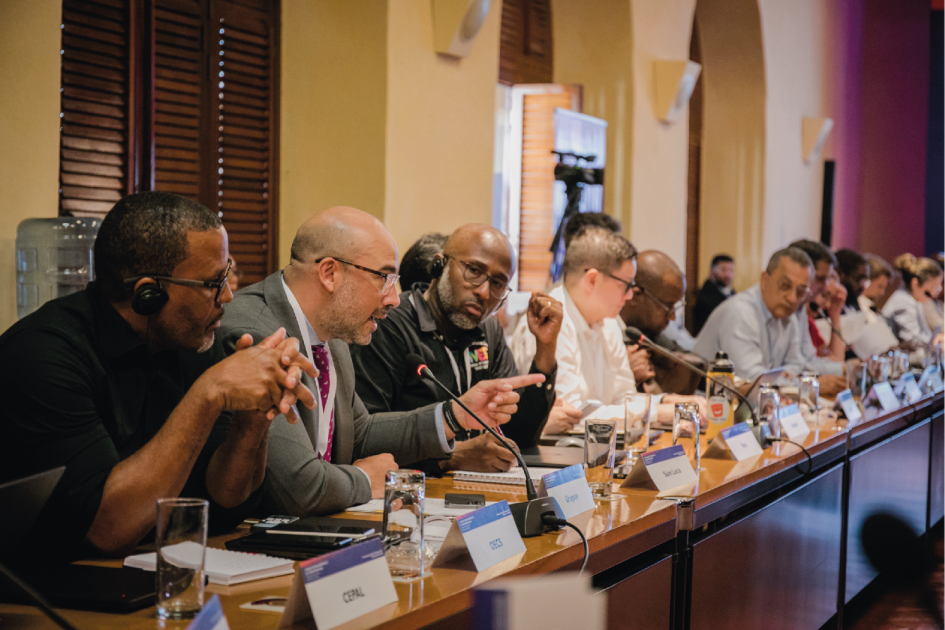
<point x="757" y="327"/>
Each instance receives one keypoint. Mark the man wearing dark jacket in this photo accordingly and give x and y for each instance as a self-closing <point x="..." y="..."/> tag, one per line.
<point x="716" y="290"/>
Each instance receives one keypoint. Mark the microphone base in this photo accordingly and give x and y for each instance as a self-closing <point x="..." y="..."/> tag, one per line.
<point x="762" y="433"/>
<point x="527" y="515"/>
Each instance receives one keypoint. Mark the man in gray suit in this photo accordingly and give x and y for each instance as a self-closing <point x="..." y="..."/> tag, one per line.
<point x="340" y="280"/>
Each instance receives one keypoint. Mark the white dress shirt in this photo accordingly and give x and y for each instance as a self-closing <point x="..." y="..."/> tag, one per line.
<point x="592" y="360"/>
<point x="907" y="313"/>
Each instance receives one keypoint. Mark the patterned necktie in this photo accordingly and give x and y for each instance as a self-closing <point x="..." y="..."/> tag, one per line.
<point x="320" y="359"/>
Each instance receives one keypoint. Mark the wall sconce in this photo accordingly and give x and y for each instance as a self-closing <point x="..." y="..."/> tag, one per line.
<point x="675" y="81"/>
<point x="456" y="24"/>
<point x="814" y="135"/>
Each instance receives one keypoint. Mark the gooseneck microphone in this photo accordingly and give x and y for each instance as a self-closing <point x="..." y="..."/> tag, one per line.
<point x="527" y="515"/>
<point x="643" y="340"/>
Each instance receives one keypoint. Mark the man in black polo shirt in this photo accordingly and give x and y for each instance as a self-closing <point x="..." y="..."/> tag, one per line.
<point x="125" y="384"/>
<point x="449" y="324"/>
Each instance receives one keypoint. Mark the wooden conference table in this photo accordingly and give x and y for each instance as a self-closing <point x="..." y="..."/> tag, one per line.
<point x="758" y="545"/>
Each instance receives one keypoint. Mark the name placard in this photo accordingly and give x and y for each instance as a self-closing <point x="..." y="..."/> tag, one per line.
<point x="908" y="389"/>
<point x="850" y="409"/>
<point x="340" y="586"/>
<point x="737" y="441"/>
<point x="887" y="399"/>
<point x="792" y="423"/>
<point x="488" y="535"/>
<point x="569" y="487"/>
<point x="210" y="617"/>
<point x="663" y="470"/>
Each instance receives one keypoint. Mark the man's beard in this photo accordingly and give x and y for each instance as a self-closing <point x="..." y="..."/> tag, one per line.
<point x="444" y="291"/>
<point x="344" y="322"/>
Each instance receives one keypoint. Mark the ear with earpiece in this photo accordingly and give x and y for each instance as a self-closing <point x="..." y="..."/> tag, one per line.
<point x="436" y="266"/>
<point x="149" y="297"/>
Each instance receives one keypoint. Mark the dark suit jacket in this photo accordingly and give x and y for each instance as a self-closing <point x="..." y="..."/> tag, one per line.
<point x="710" y="296"/>
<point x="297" y="481"/>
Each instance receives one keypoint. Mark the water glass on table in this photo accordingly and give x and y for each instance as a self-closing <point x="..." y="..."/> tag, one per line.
<point x="686" y="431"/>
<point x="181" y="538"/>
<point x="878" y="370"/>
<point x="600" y="449"/>
<point x="856" y="378"/>
<point x="404" y="493"/>
<point x="808" y="395"/>
<point x="636" y="426"/>
<point x="769" y="409"/>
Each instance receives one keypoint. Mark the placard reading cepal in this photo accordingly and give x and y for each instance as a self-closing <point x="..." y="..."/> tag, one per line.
<point x="664" y="469"/>
<point x="340" y="586"/>
<point x="489" y="535"/>
<point x="569" y="487"/>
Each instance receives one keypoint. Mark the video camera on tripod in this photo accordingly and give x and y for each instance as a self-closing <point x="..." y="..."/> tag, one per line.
<point x="575" y="177"/>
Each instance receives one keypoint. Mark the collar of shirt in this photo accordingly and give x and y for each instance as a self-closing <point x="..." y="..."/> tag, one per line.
<point x="428" y="325"/>
<point x="755" y="292"/>
<point x="581" y="327"/>
<point x="309" y="336"/>
<point x="112" y="331"/>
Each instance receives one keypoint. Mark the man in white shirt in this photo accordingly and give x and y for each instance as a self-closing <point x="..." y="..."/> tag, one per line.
<point x="598" y="277"/>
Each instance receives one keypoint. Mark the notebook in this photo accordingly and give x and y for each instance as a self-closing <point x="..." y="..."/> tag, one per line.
<point x="514" y="477"/>
<point x="226" y="567"/>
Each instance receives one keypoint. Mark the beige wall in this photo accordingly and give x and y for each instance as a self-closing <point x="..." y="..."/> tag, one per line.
<point x="333" y="110"/>
<point x="29" y="127"/>
<point x="440" y="125"/>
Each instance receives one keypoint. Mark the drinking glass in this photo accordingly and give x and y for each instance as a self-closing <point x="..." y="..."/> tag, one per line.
<point x="600" y="449"/>
<point x="856" y="378"/>
<point x="878" y="369"/>
<point x="808" y="394"/>
<point x="404" y="492"/>
<point x="898" y="364"/>
<point x="686" y="427"/>
<point x="636" y="425"/>
<point x="769" y="405"/>
<point x="181" y="538"/>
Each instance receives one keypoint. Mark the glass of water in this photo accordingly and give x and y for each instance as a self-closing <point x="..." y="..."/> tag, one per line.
<point x="898" y="364"/>
<point x="808" y="395"/>
<point x="856" y="378"/>
<point x="600" y="449"/>
<point x="878" y="369"/>
<point x="686" y="430"/>
<point x="769" y="405"/>
<point x="404" y="493"/>
<point x="636" y="425"/>
<point x="181" y="538"/>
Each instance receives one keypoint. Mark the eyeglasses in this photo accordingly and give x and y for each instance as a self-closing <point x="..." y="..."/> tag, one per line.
<point x="389" y="278"/>
<point x="629" y="284"/>
<point x="218" y="285"/>
<point x="476" y="275"/>
<point x="668" y="308"/>
<point x="801" y="291"/>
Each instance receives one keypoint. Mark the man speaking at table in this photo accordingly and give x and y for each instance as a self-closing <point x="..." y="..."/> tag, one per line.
<point x="125" y="384"/>
<point x="339" y="282"/>
<point x="449" y="323"/>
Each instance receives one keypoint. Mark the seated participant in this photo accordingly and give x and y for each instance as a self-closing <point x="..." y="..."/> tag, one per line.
<point x="125" y="384"/>
<point x="757" y="327"/>
<point x="449" y="323"/>
<point x="337" y="288"/>
<point x="921" y="279"/>
<point x="934" y="308"/>
<point x="659" y="291"/>
<point x="874" y="295"/>
<point x="598" y="278"/>
<point x="415" y="265"/>
<point x="717" y="289"/>
<point x="854" y="274"/>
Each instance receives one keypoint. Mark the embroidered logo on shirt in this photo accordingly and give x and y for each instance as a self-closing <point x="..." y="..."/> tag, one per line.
<point x="479" y="357"/>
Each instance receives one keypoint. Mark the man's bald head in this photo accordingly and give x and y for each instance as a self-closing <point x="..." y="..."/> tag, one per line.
<point x="478" y="237"/>
<point x="340" y="232"/>
<point x="655" y="269"/>
<point x="660" y="286"/>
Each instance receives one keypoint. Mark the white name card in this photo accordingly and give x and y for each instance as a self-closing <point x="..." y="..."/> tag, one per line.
<point x="737" y="441"/>
<point x="887" y="399"/>
<point x="569" y="487"/>
<point x="793" y="426"/>
<point x="488" y="535"/>
<point x="211" y="617"/>
<point x="908" y="389"/>
<point x="340" y="586"/>
<point x="664" y="469"/>
<point x="850" y="409"/>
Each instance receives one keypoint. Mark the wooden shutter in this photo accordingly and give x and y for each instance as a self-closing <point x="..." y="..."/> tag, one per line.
<point x="245" y="142"/>
<point x="537" y="205"/>
<point x="95" y="111"/>
<point x="525" y="44"/>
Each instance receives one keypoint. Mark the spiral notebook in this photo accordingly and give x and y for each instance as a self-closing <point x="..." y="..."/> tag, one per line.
<point x="223" y="566"/>
<point x="514" y="477"/>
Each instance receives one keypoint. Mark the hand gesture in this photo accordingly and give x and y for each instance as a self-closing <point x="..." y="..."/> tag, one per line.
<point x="483" y="453"/>
<point x="563" y="418"/>
<point x="544" y="315"/>
<point x="493" y="401"/>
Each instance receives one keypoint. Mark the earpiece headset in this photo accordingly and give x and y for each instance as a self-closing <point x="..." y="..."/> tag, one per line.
<point x="436" y="267"/>
<point x="149" y="298"/>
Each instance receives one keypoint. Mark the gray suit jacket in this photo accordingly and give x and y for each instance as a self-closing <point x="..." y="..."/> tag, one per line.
<point x="298" y="482"/>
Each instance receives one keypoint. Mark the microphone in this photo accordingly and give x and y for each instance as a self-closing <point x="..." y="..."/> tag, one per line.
<point x="528" y="514"/>
<point x="643" y="340"/>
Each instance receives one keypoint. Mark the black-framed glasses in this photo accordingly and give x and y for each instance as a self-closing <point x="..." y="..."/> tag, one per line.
<point x="187" y="282"/>
<point x="629" y="284"/>
<point x="668" y="308"/>
<point x="389" y="278"/>
<point x="476" y="275"/>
